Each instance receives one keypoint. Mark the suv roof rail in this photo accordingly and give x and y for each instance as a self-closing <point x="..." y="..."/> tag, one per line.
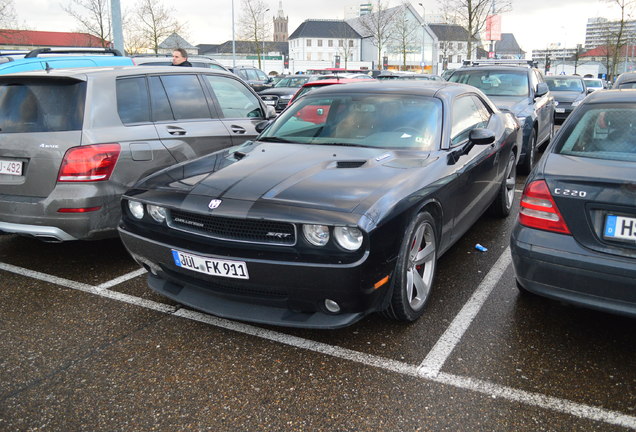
<point x="37" y="52"/>
<point x="500" y="62"/>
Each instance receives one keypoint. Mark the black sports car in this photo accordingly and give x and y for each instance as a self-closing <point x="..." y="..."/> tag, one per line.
<point x="341" y="207"/>
<point x="575" y="239"/>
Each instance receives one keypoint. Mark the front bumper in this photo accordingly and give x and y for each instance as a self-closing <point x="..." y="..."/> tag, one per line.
<point x="556" y="266"/>
<point x="284" y="293"/>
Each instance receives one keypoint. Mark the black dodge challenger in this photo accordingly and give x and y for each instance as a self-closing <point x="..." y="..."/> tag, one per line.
<point x="340" y="207"/>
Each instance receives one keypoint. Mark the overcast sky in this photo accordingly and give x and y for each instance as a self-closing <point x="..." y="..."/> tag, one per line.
<point x="535" y="23"/>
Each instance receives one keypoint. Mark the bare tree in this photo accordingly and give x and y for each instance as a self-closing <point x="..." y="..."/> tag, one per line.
<point x="253" y="25"/>
<point x="617" y="37"/>
<point x="154" y="22"/>
<point x="8" y="17"/>
<point x="406" y="33"/>
<point x="93" y="17"/>
<point x="472" y="15"/>
<point x="379" y="24"/>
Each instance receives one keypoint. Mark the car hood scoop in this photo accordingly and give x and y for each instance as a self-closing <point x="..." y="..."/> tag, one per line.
<point x="326" y="177"/>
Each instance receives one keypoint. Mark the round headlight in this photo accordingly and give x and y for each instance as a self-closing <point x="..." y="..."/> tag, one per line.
<point x="317" y="235"/>
<point x="136" y="209"/>
<point x="350" y="238"/>
<point x="157" y="213"/>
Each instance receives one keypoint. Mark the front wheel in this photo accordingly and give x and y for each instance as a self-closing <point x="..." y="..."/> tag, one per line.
<point x="414" y="270"/>
<point x="528" y="162"/>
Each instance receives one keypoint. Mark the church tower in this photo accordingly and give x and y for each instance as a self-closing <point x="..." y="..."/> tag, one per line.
<point x="281" y="33"/>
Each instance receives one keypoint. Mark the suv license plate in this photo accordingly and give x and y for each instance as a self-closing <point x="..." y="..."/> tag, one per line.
<point x="10" y="167"/>
<point x="620" y="228"/>
<point x="213" y="267"/>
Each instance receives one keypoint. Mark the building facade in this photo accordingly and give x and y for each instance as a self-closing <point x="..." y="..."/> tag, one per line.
<point x="333" y="41"/>
<point x="598" y="29"/>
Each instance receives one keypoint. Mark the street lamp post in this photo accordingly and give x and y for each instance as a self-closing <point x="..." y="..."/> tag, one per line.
<point x="259" y="62"/>
<point x="423" y="35"/>
<point x="233" y="40"/>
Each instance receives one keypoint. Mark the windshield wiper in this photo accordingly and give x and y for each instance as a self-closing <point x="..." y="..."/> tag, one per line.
<point x="276" y="139"/>
<point x="340" y="144"/>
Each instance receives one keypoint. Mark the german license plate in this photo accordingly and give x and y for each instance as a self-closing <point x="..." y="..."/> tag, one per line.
<point x="11" y="167"/>
<point x="270" y="102"/>
<point x="209" y="266"/>
<point x="560" y="110"/>
<point x="620" y="228"/>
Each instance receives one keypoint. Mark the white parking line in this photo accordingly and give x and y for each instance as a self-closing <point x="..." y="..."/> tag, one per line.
<point x="492" y="390"/>
<point x="436" y="358"/>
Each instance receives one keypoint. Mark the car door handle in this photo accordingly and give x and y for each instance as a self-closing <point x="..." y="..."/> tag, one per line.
<point x="238" y="129"/>
<point x="174" y="130"/>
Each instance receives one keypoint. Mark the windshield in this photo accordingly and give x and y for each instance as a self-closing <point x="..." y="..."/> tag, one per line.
<point x="494" y="83"/>
<point x="603" y="133"/>
<point x="565" y="84"/>
<point x="370" y="120"/>
<point x="594" y="83"/>
<point x="295" y="81"/>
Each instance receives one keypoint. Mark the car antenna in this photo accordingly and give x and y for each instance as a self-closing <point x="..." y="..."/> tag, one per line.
<point x="48" y="68"/>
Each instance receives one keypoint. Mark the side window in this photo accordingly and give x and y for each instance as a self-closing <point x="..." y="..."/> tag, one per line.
<point x="252" y="75"/>
<point x="235" y="100"/>
<point x="132" y="100"/>
<point x="466" y="116"/>
<point x="261" y="76"/>
<point x="483" y="110"/>
<point x="161" y="110"/>
<point x="186" y="97"/>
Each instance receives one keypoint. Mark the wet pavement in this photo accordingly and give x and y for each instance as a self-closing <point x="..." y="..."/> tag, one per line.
<point x="86" y="346"/>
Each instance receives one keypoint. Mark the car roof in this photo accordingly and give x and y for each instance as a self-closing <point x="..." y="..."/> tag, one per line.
<point x="611" y="96"/>
<point x="420" y="88"/>
<point x="330" y="81"/>
<point x="564" y="77"/>
<point x="83" y="72"/>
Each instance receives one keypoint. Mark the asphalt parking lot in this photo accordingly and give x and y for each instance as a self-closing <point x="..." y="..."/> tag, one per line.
<point x="85" y="345"/>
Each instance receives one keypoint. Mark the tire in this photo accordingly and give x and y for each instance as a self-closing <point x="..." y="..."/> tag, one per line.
<point x="415" y="270"/>
<point x="502" y="204"/>
<point x="528" y="162"/>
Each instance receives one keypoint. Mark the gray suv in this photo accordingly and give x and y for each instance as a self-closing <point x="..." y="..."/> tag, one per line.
<point x="73" y="140"/>
<point x="519" y="87"/>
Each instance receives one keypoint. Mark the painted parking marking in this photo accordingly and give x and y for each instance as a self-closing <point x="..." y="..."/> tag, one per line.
<point x="438" y="355"/>
<point x="487" y="388"/>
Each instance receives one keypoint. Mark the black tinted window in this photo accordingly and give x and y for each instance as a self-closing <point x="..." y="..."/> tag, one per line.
<point x="159" y="101"/>
<point x="132" y="100"/>
<point x="41" y="106"/>
<point x="186" y="97"/>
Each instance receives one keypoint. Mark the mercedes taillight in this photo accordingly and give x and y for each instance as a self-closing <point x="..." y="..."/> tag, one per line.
<point x="89" y="163"/>
<point x="538" y="209"/>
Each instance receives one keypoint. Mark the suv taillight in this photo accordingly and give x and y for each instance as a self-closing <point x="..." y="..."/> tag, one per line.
<point x="89" y="163"/>
<point x="538" y="209"/>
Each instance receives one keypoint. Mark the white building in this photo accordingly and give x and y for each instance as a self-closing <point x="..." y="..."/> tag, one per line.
<point x="333" y="41"/>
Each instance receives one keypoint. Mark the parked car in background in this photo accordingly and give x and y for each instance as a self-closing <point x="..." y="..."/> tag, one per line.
<point x="520" y="87"/>
<point x="575" y="239"/>
<point x="625" y="80"/>
<point x="595" y="84"/>
<point x="390" y="75"/>
<point x="256" y="78"/>
<point x="568" y="91"/>
<point x="280" y="95"/>
<point x="49" y="58"/>
<point x="317" y="224"/>
<point x="73" y="140"/>
<point x="166" y="60"/>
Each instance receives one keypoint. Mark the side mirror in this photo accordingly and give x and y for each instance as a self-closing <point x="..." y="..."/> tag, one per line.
<point x="542" y="89"/>
<point x="270" y="112"/>
<point x="589" y="90"/>
<point x="261" y="126"/>
<point x="481" y="136"/>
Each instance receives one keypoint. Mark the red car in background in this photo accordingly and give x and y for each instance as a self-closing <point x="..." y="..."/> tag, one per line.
<point x="316" y="113"/>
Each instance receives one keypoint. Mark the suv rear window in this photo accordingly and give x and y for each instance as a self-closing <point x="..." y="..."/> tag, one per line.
<point x="41" y="105"/>
<point x="603" y="133"/>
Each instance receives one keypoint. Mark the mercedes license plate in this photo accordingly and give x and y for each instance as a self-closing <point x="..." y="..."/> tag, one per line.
<point x="209" y="266"/>
<point x="11" y="167"/>
<point x="620" y="228"/>
<point x="560" y="110"/>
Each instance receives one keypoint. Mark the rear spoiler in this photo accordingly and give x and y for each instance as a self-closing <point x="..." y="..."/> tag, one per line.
<point x="85" y="51"/>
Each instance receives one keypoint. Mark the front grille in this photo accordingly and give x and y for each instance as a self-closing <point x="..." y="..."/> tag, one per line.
<point x="239" y="230"/>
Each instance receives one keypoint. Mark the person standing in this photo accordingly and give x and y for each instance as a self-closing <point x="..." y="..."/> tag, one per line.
<point x="180" y="57"/>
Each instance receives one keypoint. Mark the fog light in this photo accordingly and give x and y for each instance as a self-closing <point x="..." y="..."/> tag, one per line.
<point x="332" y="306"/>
